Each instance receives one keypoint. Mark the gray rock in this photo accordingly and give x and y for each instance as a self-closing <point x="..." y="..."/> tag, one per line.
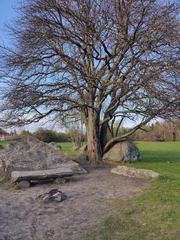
<point x="133" y="172"/>
<point x="61" y="180"/>
<point x="31" y="154"/>
<point x="56" y="145"/>
<point x="122" y="152"/>
<point x="23" y="184"/>
<point x="74" y="166"/>
<point x="81" y="159"/>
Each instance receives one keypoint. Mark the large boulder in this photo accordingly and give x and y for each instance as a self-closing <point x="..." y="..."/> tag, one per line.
<point x="31" y="154"/>
<point x="122" y="152"/>
<point x="133" y="172"/>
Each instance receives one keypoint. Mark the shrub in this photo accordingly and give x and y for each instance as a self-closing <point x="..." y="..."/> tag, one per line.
<point x="46" y="135"/>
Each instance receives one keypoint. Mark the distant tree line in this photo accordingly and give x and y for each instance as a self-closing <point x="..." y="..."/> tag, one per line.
<point x="7" y="135"/>
<point x="159" y="131"/>
<point x="47" y="135"/>
<point x="165" y="131"/>
<point x="2" y="131"/>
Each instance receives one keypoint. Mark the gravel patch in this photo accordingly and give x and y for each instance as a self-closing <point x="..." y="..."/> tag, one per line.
<point x="89" y="201"/>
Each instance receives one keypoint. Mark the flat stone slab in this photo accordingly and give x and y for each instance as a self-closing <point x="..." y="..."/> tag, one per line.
<point x="17" y="176"/>
<point x="133" y="172"/>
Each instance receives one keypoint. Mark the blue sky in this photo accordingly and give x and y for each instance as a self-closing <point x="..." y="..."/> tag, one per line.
<point x="7" y="14"/>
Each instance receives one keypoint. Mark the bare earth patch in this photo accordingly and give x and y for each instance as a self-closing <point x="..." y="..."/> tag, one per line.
<point x="89" y="201"/>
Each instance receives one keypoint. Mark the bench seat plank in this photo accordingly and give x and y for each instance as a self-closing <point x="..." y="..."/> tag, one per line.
<point x="17" y="176"/>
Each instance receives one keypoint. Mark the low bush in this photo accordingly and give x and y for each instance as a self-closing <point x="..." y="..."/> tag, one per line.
<point x="51" y="136"/>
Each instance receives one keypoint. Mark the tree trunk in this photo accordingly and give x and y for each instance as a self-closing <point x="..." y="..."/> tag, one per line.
<point x="174" y="136"/>
<point x="103" y="135"/>
<point x="93" y="140"/>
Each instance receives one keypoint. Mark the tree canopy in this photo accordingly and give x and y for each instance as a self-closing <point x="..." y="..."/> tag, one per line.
<point x="107" y="60"/>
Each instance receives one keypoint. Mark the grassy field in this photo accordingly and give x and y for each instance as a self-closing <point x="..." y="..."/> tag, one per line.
<point x="4" y="144"/>
<point x="67" y="148"/>
<point x="155" y="214"/>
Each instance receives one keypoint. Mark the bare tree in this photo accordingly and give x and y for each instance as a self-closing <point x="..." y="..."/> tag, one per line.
<point x="109" y="60"/>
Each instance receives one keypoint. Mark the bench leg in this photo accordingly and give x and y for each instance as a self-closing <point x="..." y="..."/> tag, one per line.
<point x="23" y="184"/>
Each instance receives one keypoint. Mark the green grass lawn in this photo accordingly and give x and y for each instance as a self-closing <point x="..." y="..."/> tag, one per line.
<point x="155" y="214"/>
<point x="4" y="144"/>
<point x="67" y="148"/>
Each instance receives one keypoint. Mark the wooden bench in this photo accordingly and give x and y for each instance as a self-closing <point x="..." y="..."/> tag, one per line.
<point x="25" y="177"/>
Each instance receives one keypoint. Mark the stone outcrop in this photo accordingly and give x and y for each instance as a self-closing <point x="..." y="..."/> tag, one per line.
<point x="122" y="152"/>
<point x="31" y="154"/>
<point x="56" y="145"/>
<point x="133" y="172"/>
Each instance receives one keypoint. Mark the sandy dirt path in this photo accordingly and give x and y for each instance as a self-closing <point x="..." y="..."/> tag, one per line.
<point x="90" y="196"/>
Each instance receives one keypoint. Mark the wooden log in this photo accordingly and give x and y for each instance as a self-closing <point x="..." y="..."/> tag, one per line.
<point x="17" y="176"/>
